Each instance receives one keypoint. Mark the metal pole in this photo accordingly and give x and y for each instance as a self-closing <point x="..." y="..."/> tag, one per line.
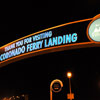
<point x="50" y="94"/>
<point x="70" y="87"/>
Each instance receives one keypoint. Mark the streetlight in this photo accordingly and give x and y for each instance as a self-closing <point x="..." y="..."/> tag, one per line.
<point x="69" y="75"/>
<point x="71" y="95"/>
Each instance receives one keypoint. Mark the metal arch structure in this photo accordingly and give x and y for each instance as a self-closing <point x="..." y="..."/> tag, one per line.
<point x="56" y="32"/>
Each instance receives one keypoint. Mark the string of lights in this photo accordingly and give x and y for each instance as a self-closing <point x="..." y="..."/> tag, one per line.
<point x="21" y="97"/>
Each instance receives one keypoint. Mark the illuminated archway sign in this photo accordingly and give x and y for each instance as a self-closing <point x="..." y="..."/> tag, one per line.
<point x="77" y="34"/>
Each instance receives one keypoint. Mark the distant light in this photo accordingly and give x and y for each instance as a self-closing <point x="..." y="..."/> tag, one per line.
<point x="23" y="95"/>
<point x="17" y="97"/>
<point x="69" y="74"/>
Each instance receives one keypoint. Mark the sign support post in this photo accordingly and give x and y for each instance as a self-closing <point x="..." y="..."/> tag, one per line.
<point x="55" y="86"/>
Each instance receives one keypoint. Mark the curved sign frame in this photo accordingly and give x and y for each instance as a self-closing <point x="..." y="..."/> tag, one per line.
<point x="43" y="42"/>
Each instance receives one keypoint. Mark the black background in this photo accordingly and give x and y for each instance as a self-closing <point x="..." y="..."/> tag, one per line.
<point x="33" y="76"/>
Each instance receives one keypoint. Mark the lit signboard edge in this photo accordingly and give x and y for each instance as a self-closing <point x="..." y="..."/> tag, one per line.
<point x="48" y="50"/>
<point x="51" y="49"/>
<point x="47" y="30"/>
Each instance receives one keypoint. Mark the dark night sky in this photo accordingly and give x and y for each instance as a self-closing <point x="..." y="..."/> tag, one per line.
<point x="33" y="75"/>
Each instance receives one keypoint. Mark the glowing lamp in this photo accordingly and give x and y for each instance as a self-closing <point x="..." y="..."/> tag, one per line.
<point x="69" y="74"/>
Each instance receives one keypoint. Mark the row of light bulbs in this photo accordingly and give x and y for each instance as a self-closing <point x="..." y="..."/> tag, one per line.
<point x="13" y="97"/>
